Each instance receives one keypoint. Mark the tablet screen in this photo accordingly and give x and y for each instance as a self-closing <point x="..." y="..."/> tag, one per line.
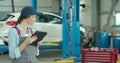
<point x="40" y="35"/>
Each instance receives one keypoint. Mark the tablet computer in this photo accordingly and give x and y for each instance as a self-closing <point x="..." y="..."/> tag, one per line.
<point x="40" y="35"/>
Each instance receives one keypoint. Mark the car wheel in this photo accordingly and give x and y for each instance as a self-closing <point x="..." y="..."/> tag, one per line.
<point x="5" y="42"/>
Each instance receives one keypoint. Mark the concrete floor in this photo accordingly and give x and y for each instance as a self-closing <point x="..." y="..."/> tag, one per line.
<point x="46" y="56"/>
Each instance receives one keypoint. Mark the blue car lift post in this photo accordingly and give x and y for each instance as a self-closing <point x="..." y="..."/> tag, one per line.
<point x="76" y="50"/>
<point x="75" y="30"/>
<point x="34" y="4"/>
<point x="65" y="29"/>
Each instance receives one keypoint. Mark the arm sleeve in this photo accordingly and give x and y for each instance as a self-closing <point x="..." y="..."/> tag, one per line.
<point x="13" y="40"/>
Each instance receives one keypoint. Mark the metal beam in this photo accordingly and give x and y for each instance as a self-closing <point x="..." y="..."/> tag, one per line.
<point x="93" y="14"/>
<point x="34" y="3"/>
<point x="76" y="50"/>
<point x="65" y="30"/>
<point x="108" y="12"/>
<point x="98" y="18"/>
<point x="114" y="3"/>
<point x="13" y="7"/>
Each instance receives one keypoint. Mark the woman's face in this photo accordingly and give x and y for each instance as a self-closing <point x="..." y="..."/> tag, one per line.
<point x="31" y="20"/>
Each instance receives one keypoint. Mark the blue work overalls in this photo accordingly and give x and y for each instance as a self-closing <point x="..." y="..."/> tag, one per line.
<point x="28" y="55"/>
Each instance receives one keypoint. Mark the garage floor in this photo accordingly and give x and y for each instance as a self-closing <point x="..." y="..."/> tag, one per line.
<point x="46" y="56"/>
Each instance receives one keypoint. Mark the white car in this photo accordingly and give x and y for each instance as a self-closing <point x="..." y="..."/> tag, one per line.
<point x="49" y="22"/>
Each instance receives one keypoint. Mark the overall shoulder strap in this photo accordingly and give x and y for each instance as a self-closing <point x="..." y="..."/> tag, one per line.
<point x="18" y="30"/>
<point x="31" y="31"/>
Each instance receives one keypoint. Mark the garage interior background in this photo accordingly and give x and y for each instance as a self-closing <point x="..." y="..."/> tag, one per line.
<point x="95" y="14"/>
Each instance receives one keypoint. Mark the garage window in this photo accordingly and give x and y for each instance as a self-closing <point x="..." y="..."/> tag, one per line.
<point x="6" y="17"/>
<point x="53" y="19"/>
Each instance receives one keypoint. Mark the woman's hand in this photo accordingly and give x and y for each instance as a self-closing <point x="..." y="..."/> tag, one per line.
<point x="37" y="47"/>
<point x="29" y="40"/>
<point x="39" y="43"/>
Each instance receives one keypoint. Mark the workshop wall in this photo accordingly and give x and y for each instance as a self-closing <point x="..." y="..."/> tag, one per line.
<point x="85" y="15"/>
<point x="43" y="5"/>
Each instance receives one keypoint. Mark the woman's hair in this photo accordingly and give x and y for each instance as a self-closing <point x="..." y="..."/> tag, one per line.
<point x="20" y="19"/>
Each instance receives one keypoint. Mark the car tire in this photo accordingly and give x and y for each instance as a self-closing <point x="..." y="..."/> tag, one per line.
<point x="5" y="42"/>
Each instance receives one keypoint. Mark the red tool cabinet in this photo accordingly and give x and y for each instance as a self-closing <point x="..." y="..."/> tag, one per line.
<point x="99" y="55"/>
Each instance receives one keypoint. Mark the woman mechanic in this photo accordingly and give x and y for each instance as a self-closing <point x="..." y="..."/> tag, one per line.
<point x="19" y="38"/>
